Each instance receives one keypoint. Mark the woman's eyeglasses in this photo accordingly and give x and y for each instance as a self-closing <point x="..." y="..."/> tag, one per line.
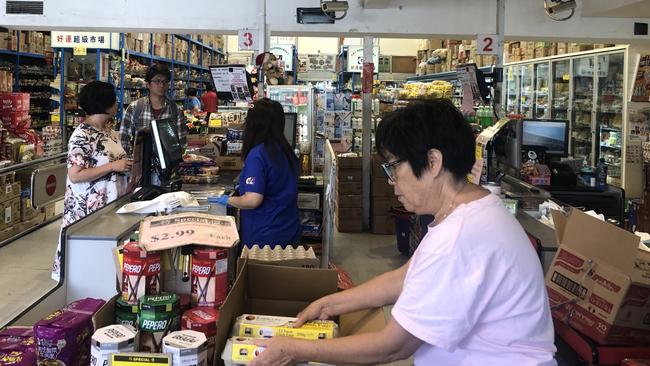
<point x="389" y="168"/>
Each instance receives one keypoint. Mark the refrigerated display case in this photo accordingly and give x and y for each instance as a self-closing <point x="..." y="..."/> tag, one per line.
<point x="541" y="109"/>
<point x="512" y="90"/>
<point x="609" y="112"/>
<point x="298" y="99"/>
<point x="527" y="91"/>
<point x="582" y="121"/>
<point x="560" y="89"/>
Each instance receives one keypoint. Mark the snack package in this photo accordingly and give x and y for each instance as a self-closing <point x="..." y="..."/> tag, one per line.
<point x="25" y="357"/>
<point x="16" y="339"/>
<point x="266" y="326"/>
<point x="241" y="351"/>
<point x="64" y="335"/>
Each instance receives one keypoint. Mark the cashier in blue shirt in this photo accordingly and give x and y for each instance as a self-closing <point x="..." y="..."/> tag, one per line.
<point x="268" y="183"/>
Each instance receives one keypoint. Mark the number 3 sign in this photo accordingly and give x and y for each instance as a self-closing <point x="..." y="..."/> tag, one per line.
<point x="488" y="44"/>
<point x="247" y="39"/>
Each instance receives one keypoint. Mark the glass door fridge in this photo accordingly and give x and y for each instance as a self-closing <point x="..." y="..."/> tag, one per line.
<point x="609" y="112"/>
<point x="298" y="99"/>
<point x="582" y="129"/>
<point x="541" y="109"/>
<point x="560" y="89"/>
<point x="512" y="90"/>
<point x="527" y="91"/>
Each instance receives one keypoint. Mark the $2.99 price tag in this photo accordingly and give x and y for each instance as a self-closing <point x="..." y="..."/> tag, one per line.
<point x="170" y="236"/>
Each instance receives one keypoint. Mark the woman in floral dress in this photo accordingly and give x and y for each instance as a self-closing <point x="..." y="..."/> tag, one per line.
<point x="97" y="163"/>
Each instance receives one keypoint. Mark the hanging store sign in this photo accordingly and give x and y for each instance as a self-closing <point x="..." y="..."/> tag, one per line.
<point x="320" y="62"/>
<point x="232" y="79"/>
<point x="247" y="39"/>
<point x="284" y="52"/>
<point x="489" y="44"/>
<point x="641" y="86"/>
<point x="355" y="58"/>
<point x="73" y="39"/>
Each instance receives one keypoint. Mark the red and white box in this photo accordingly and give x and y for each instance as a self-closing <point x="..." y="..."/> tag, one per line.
<point x="14" y="118"/>
<point x="14" y="102"/>
<point x="599" y="282"/>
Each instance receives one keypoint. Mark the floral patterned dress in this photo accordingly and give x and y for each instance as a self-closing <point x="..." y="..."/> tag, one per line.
<point x="90" y="148"/>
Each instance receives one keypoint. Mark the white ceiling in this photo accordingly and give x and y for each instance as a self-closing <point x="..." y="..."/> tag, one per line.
<point x="616" y="8"/>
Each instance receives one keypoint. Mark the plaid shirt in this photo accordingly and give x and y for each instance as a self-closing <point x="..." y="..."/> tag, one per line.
<point x="131" y="123"/>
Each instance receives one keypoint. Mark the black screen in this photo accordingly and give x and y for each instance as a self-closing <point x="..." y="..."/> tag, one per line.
<point x="167" y="143"/>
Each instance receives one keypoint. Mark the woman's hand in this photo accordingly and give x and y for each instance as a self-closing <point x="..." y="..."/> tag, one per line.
<point x="123" y="165"/>
<point x="277" y="352"/>
<point x="315" y="310"/>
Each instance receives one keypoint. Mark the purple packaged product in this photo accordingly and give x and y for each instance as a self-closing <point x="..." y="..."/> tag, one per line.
<point x="16" y="339"/>
<point x="65" y="334"/>
<point x="18" y="358"/>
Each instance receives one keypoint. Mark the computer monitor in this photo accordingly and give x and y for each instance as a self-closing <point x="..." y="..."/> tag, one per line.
<point x="290" y="123"/>
<point x="553" y="136"/>
<point x="167" y="144"/>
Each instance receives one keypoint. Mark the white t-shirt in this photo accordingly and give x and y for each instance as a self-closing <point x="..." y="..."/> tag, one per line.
<point x="474" y="292"/>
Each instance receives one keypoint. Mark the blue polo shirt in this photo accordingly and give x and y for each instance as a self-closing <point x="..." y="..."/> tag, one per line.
<point x="276" y="221"/>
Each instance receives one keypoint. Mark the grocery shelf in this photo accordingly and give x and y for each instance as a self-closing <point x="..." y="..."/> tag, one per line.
<point x="605" y="128"/>
<point x="611" y="147"/>
<point x="447" y="76"/>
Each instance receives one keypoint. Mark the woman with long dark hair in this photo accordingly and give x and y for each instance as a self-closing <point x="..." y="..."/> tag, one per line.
<point x="268" y="184"/>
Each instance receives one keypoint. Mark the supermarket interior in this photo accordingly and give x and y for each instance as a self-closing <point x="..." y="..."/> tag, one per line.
<point x="141" y="223"/>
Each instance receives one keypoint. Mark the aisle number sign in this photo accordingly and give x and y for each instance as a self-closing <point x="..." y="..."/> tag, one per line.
<point x="70" y="39"/>
<point x="247" y="39"/>
<point x="79" y="51"/>
<point x="489" y="44"/>
<point x="355" y="58"/>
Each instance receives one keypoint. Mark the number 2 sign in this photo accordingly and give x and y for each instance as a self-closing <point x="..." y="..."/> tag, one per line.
<point x="247" y="39"/>
<point x="488" y="44"/>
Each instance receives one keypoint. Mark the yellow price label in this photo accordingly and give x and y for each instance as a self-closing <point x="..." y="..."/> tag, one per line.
<point x="141" y="360"/>
<point x="566" y="77"/>
<point x="79" y="51"/>
<point x="214" y="123"/>
<point x="56" y="118"/>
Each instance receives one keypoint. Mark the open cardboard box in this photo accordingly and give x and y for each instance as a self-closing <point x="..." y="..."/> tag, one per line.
<point x="284" y="291"/>
<point x="599" y="281"/>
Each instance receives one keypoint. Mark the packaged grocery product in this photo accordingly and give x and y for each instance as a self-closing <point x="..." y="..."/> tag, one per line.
<point x="209" y="276"/>
<point x="64" y="336"/>
<point x="265" y="326"/>
<point x="187" y="347"/>
<point x="141" y="273"/>
<point x="109" y="340"/>
<point x="16" y="339"/>
<point x="204" y="320"/>
<point x="126" y="314"/>
<point x="159" y="315"/>
<point x="635" y="362"/>
<point x="25" y="357"/>
<point x="242" y="350"/>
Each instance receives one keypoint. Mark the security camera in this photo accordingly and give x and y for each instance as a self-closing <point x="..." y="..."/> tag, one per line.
<point x="334" y="6"/>
<point x="554" y="7"/>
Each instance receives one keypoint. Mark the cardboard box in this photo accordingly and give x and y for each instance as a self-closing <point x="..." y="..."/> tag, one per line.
<point x="49" y="211"/>
<point x="14" y="102"/>
<point x="353" y="162"/>
<point x="230" y="163"/>
<point x="348" y="212"/>
<point x="599" y="281"/>
<point x="256" y="291"/>
<point x="348" y="175"/>
<point x="382" y="207"/>
<point x="278" y="256"/>
<point x="309" y="201"/>
<point x="405" y="64"/>
<point x="349" y="187"/>
<point x="349" y="200"/>
<point x="380" y="186"/>
<point x="383" y="224"/>
<point x="348" y="225"/>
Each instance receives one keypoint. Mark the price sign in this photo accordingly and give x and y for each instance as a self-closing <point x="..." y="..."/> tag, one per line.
<point x="141" y="359"/>
<point x="79" y="51"/>
<point x="247" y="39"/>
<point x="164" y="232"/>
<point x="489" y="44"/>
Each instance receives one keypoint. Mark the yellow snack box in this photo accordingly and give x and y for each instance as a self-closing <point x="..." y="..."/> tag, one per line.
<point x="266" y="326"/>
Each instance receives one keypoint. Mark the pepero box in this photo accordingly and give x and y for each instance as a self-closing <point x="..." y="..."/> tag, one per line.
<point x="266" y="326"/>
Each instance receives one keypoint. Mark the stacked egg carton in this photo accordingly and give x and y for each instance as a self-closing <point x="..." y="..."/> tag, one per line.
<point x="288" y="257"/>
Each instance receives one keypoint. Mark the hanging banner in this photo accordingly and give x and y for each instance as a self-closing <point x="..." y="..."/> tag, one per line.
<point x="641" y="86"/>
<point x="367" y="76"/>
<point x="284" y="52"/>
<point x="70" y="39"/>
<point x="355" y="58"/>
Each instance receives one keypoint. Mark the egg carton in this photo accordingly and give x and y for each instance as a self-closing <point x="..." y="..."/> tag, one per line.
<point x="288" y="256"/>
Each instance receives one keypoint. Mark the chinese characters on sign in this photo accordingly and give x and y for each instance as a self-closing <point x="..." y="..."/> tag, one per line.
<point x="81" y="39"/>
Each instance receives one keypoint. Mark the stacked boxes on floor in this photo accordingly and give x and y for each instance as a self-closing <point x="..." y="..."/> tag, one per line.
<point x="348" y="196"/>
<point x="9" y="201"/>
<point x="382" y="200"/>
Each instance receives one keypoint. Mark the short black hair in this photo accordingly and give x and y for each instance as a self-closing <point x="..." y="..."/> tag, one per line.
<point x="157" y="69"/>
<point x="191" y="92"/>
<point x="97" y="97"/>
<point x="409" y="133"/>
<point x="209" y="87"/>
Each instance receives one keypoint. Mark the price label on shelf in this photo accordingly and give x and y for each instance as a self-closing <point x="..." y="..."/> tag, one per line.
<point x="79" y="51"/>
<point x="247" y="39"/>
<point x="489" y="44"/>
